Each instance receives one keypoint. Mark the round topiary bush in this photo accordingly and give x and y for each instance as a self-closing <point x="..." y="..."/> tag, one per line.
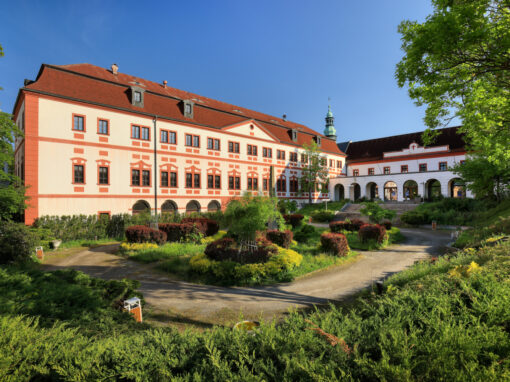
<point x="281" y="238"/>
<point x="335" y="243"/>
<point x="374" y="232"/>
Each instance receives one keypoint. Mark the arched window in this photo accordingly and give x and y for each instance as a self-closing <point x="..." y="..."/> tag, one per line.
<point x="390" y="191"/>
<point x="141" y="206"/>
<point x="213" y="206"/>
<point x="169" y="207"/>
<point x="192" y="206"/>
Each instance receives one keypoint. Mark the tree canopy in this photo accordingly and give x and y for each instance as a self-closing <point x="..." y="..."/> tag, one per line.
<point x="315" y="171"/>
<point x="457" y="63"/>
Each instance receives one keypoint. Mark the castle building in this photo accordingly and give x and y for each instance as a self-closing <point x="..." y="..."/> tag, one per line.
<point x="98" y="141"/>
<point x="401" y="167"/>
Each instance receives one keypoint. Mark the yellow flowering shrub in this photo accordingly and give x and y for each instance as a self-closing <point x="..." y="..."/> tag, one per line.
<point x="126" y="248"/>
<point x="229" y="271"/>
<point x="465" y="270"/>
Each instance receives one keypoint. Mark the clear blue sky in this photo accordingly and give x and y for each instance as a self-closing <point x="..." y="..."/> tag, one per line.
<point x="273" y="56"/>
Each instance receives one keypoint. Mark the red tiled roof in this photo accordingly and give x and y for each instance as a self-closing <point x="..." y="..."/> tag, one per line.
<point x="373" y="149"/>
<point x="94" y="84"/>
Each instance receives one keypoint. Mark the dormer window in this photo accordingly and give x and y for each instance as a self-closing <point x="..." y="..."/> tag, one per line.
<point x="188" y="108"/>
<point x="318" y="140"/>
<point x="137" y="96"/>
<point x="293" y="135"/>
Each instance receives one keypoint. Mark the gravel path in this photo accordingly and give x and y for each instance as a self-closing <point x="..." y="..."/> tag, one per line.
<point x="207" y="304"/>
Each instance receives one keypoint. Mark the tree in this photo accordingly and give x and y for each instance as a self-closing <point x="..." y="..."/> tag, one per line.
<point x="249" y="214"/>
<point x="484" y="178"/>
<point x="315" y="171"/>
<point x="457" y="63"/>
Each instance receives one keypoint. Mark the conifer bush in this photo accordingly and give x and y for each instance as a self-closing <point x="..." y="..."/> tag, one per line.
<point x="374" y="232"/>
<point x="281" y="238"/>
<point x="335" y="243"/>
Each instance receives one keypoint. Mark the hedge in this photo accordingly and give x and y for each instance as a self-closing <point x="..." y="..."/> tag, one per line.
<point x="143" y="234"/>
<point x="335" y="243"/>
<point x="178" y="231"/>
<point x="353" y="225"/>
<point x="281" y="238"/>
<point x="207" y="227"/>
<point x="374" y="232"/>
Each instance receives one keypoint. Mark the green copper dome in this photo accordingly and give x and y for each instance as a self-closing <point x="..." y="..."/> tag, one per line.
<point x="330" y="130"/>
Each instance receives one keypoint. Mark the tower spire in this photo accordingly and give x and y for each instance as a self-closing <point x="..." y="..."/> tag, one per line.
<point x="330" y="130"/>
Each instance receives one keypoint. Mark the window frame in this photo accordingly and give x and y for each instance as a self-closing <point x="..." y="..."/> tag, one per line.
<point x="267" y="152"/>
<point x="82" y="165"/>
<point x="445" y="166"/>
<point x="99" y="120"/>
<point x="139" y="177"/>
<point x="214" y="140"/>
<point x="168" y="132"/>
<point x="371" y="171"/>
<point x="84" y="119"/>
<point x="193" y="136"/>
<point x="402" y="169"/>
<point x="142" y="178"/>
<point x="355" y="172"/>
<point x="386" y="170"/>
<point x="420" y="166"/>
<point x="99" y="167"/>
<point x="140" y="132"/>
<point x="234" y="145"/>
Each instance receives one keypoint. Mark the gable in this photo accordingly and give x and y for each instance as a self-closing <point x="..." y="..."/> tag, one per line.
<point x="251" y="128"/>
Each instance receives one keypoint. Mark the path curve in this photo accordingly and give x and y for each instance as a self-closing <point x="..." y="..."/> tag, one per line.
<point x="205" y="302"/>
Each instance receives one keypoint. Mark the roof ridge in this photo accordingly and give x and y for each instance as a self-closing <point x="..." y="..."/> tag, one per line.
<point x="403" y="135"/>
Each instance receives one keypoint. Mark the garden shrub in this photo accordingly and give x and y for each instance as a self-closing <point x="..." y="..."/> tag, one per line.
<point x="347" y="225"/>
<point x="322" y="216"/>
<point x="222" y="249"/>
<point x="234" y="273"/>
<point x="143" y="234"/>
<point x="179" y="231"/>
<point x="286" y="206"/>
<point x="335" y="243"/>
<point x="387" y="224"/>
<point x="305" y="233"/>
<point x="226" y="249"/>
<point x="17" y="242"/>
<point x="280" y="238"/>
<point x="374" y="232"/>
<point x="293" y="219"/>
<point x="207" y="227"/>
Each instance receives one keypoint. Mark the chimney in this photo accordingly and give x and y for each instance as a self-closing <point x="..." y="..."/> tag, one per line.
<point x="284" y="117"/>
<point x="164" y="83"/>
<point x="115" y="68"/>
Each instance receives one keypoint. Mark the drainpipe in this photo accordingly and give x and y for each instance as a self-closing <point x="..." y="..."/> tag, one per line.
<point x="155" y="173"/>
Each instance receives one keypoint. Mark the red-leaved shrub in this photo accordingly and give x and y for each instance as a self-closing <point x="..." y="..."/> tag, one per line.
<point x="227" y="249"/>
<point x="281" y="238"/>
<point x="143" y="234"/>
<point x="387" y="224"/>
<point x="335" y="243"/>
<point x="353" y="225"/>
<point x="374" y="232"/>
<point x="178" y="231"/>
<point x="293" y="219"/>
<point x="207" y="227"/>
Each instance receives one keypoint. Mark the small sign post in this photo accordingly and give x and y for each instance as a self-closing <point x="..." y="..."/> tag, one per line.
<point x="39" y="252"/>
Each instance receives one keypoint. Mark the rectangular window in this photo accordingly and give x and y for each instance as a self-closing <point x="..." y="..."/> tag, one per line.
<point x="280" y="154"/>
<point x="443" y="166"/>
<point x="102" y="127"/>
<point x="281" y="185"/>
<point x="173" y="179"/>
<point x="217" y="181"/>
<point x="172" y="137"/>
<point x="404" y="168"/>
<point x="355" y="172"/>
<point x="103" y="175"/>
<point x="196" y="180"/>
<point x="238" y="182"/>
<point x="146" y="178"/>
<point x="292" y="157"/>
<point x="233" y="147"/>
<point x="423" y="167"/>
<point x="189" y="180"/>
<point x="230" y="182"/>
<point x="371" y="171"/>
<point x="164" y="178"/>
<point x="79" y="175"/>
<point x="78" y="123"/>
<point x="138" y="96"/>
<point x="213" y="144"/>
<point x="145" y="133"/>
<point x="164" y="136"/>
<point x="338" y="164"/>
<point x="265" y="183"/>
<point x="267" y="152"/>
<point x="210" y="181"/>
<point x="252" y="150"/>
<point x="135" y="131"/>
<point x="234" y="183"/>
<point x="192" y="140"/>
<point x="253" y="183"/>
<point x="135" y="177"/>
<point x="250" y="183"/>
<point x="386" y="170"/>
<point x="304" y="158"/>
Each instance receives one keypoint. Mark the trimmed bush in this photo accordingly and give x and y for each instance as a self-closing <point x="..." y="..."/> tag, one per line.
<point x="207" y="227"/>
<point x="306" y="233"/>
<point x="335" y="243"/>
<point x="17" y="242"/>
<point x="347" y="225"/>
<point x="281" y="238"/>
<point x="322" y="216"/>
<point x="222" y="249"/>
<point x="226" y="249"/>
<point x="387" y="224"/>
<point x="176" y="232"/>
<point x="374" y="232"/>
<point x="143" y="234"/>
<point x="293" y="219"/>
